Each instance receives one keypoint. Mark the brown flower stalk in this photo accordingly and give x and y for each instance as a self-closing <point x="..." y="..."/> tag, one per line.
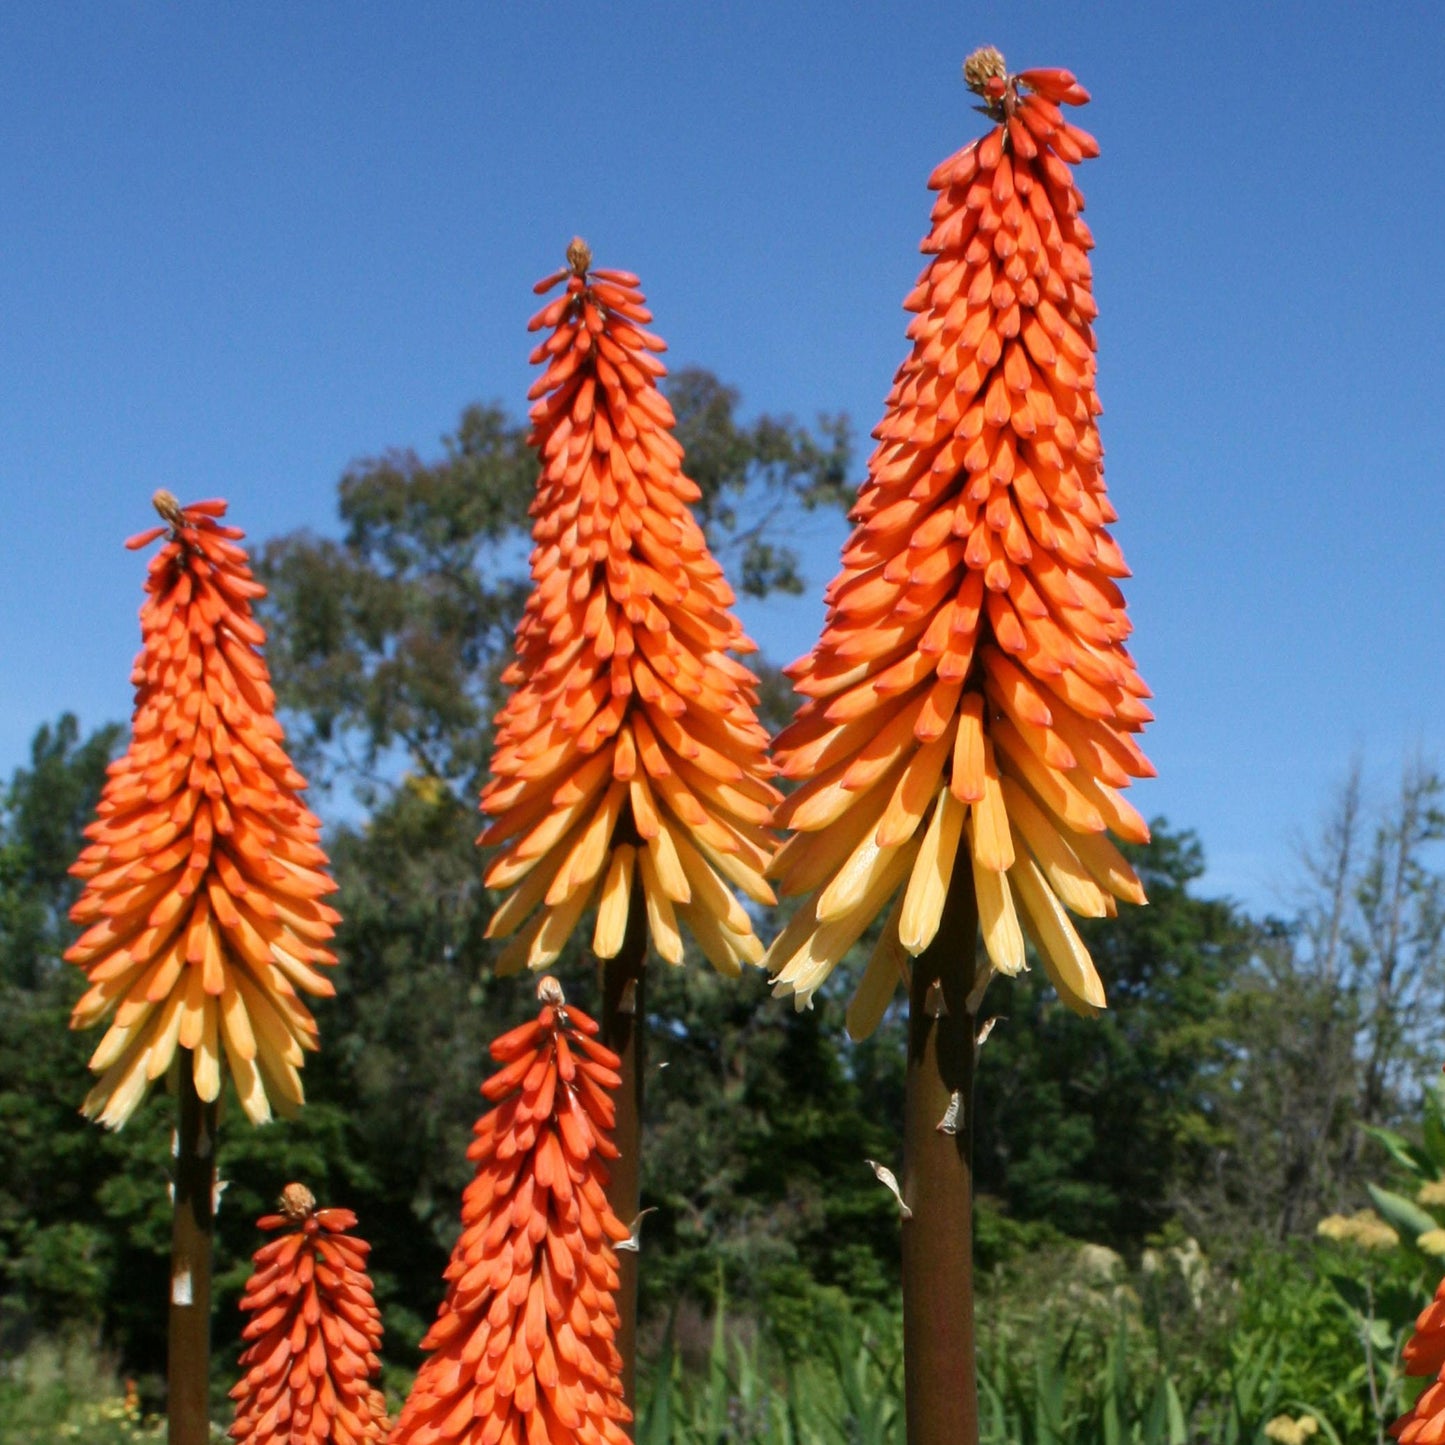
<point x="522" y="1351"/>
<point x="314" y="1336"/>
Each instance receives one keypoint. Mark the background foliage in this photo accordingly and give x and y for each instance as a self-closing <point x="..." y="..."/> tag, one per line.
<point x="1250" y="1075"/>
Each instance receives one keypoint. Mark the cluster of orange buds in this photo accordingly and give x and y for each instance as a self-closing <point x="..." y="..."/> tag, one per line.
<point x="312" y="1361"/>
<point x="971" y="688"/>
<point x="204" y="874"/>
<point x="1424" y="1354"/>
<point x="522" y="1350"/>
<point x="630" y="752"/>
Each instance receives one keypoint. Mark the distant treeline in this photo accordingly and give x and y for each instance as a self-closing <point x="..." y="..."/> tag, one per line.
<point x="1224" y="1094"/>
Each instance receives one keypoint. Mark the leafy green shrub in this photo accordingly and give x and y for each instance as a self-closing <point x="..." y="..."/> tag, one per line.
<point x="64" y="1389"/>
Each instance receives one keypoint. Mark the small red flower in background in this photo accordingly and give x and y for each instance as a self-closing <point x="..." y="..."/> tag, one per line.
<point x="204" y="874"/>
<point x="312" y="1359"/>
<point x="522" y="1349"/>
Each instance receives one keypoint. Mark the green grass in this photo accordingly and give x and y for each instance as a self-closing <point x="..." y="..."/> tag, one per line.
<point x="67" y="1391"/>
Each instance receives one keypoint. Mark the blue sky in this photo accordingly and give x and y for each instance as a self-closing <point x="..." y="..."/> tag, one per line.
<point x="241" y="246"/>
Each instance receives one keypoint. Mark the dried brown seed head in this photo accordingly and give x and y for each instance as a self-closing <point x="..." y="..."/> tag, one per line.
<point x="579" y="256"/>
<point x="170" y="509"/>
<point x="297" y="1203"/>
<point x="982" y="66"/>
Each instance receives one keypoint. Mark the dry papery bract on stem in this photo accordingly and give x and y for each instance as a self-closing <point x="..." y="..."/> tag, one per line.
<point x="630" y="748"/>
<point x="312" y="1358"/>
<point x="204" y="875"/>
<point x="522" y="1349"/>
<point x="971" y="689"/>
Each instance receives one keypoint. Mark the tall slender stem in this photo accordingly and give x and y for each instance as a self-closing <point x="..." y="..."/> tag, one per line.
<point x="940" y="1388"/>
<point x="624" y="1030"/>
<point x="188" y="1367"/>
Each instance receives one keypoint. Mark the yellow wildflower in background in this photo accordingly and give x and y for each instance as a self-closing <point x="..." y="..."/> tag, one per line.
<point x="1364" y="1228"/>
<point x="1289" y="1431"/>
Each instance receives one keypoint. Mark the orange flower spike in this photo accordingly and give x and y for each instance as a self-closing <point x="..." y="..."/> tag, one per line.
<point x="315" y="1333"/>
<point x="1424" y="1354"/>
<point x="204" y="873"/>
<point x="971" y="688"/>
<point x="630" y="750"/>
<point x="522" y="1348"/>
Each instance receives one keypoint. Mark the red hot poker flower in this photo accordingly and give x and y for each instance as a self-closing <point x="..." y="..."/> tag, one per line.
<point x="522" y="1350"/>
<point x="631" y="746"/>
<point x="315" y="1334"/>
<point x="971" y="689"/>
<point x="204" y="875"/>
<point x="1424" y="1354"/>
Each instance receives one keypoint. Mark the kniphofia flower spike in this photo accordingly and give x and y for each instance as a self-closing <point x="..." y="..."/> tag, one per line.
<point x="1424" y="1354"/>
<point x="971" y="688"/>
<point x="522" y="1349"/>
<point x="630" y="748"/>
<point x="204" y="876"/>
<point x="314" y="1336"/>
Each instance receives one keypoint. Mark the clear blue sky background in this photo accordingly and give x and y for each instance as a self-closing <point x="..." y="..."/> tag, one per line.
<point x="242" y="245"/>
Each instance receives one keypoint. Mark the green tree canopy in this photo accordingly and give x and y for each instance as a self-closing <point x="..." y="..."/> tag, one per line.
<point x="386" y="644"/>
<point x="1102" y="1126"/>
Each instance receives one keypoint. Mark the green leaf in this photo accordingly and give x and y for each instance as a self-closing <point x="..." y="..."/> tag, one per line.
<point x="1351" y="1291"/>
<point x="654" y="1423"/>
<point x="1407" y="1155"/>
<point x="1434" y="1133"/>
<point x="1404" y="1214"/>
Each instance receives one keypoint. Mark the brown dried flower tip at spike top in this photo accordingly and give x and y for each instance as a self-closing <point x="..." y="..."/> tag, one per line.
<point x="297" y="1202"/>
<point x="522" y="1350"/>
<point x="170" y="509"/>
<point x="970" y="707"/>
<point x="313" y="1340"/>
<point x="629" y="760"/>
<point x="204" y="876"/>
<point x="981" y="68"/>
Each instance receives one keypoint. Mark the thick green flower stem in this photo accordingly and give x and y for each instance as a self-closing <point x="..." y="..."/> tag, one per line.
<point x="188" y="1363"/>
<point x="940" y="1389"/>
<point x="624" y="1028"/>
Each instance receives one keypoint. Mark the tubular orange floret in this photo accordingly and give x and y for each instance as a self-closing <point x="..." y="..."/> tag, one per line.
<point x="522" y="1349"/>
<point x="629" y="756"/>
<point x="971" y="689"/>
<point x="204" y="876"/>
<point x="312" y="1358"/>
